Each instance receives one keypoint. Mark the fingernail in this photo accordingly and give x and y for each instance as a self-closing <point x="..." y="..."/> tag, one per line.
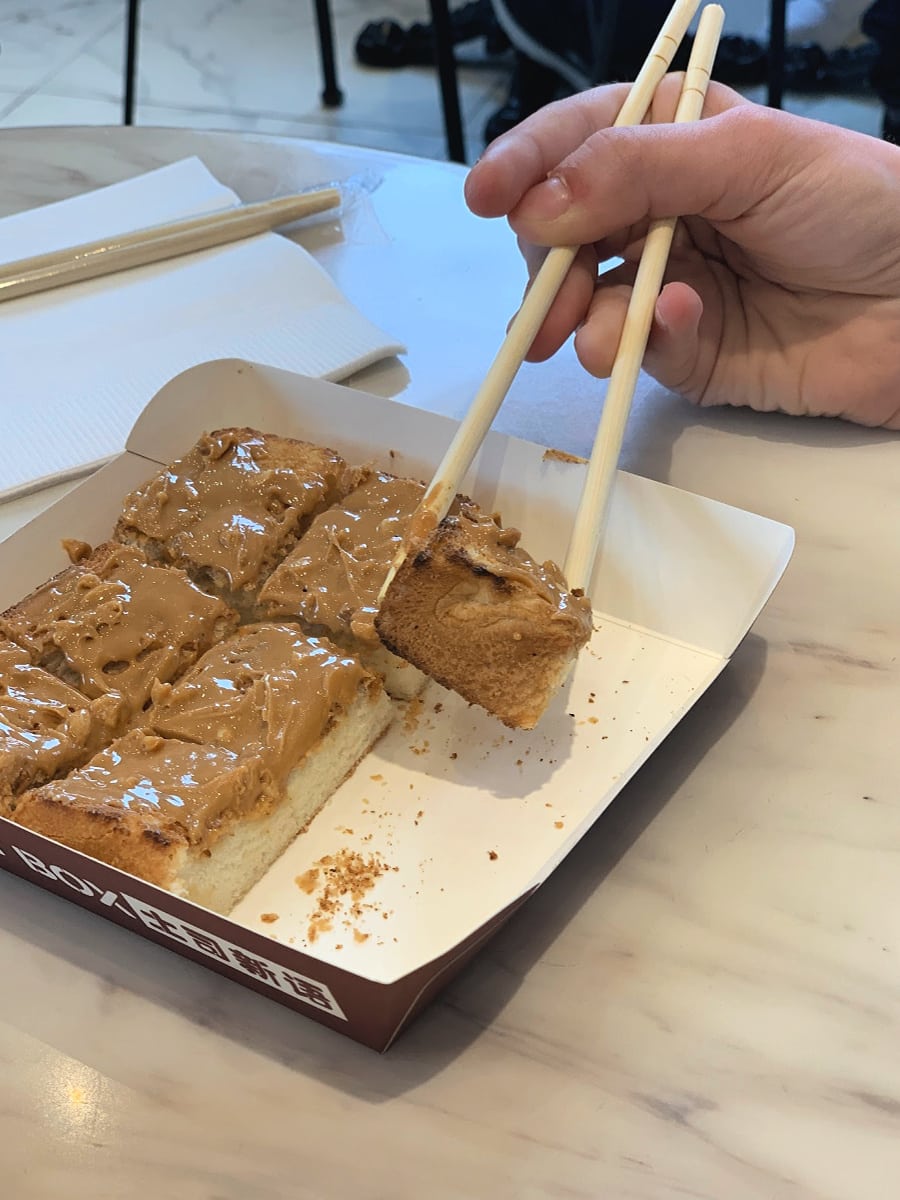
<point x="549" y="200"/>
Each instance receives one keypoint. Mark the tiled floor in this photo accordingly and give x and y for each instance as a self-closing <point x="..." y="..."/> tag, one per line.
<point x="253" y="65"/>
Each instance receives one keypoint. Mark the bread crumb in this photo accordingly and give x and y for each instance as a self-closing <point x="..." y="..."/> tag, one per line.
<point x="358" y="936"/>
<point x="454" y="755"/>
<point x="346" y="877"/>
<point x="493" y="855"/>
<point x="557" y="824"/>
<point x="561" y="456"/>
<point x="593" y="720"/>
<point x="376" y="778"/>
<point x="308" y="880"/>
<point x="413" y="712"/>
<point x="268" y="917"/>
<point x="316" y="926"/>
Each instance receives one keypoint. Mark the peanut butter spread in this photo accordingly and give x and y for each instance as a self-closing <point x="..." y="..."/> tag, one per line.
<point x="173" y="789"/>
<point x="491" y="549"/>
<point x="268" y="689"/>
<point x="234" y="501"/>
<point x="333" y="576"/>
<point x="118" y="624"/>
<point x="45" y="725"/>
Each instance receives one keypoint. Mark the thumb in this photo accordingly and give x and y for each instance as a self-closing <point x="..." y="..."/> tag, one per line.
<point x="717" y="168"/>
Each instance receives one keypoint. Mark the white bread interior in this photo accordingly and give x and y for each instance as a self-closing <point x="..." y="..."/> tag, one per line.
<point x="218" y="877"/>
<point x="401" y="679"/>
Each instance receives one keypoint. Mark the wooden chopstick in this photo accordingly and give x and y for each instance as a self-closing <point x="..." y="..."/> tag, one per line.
<point x="158" y="242"/>
<point x="594" y="504"/>
<point x="528" y="320"/>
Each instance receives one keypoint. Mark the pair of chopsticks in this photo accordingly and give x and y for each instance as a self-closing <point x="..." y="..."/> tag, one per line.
<point x="592" y="510"/>
<point x="157" y="243"/>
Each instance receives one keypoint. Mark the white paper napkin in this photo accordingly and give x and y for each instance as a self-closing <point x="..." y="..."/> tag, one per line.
<point x="79" y="363"/>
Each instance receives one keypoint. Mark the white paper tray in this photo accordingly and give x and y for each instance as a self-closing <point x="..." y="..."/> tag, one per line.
<point x="472" y="816"/>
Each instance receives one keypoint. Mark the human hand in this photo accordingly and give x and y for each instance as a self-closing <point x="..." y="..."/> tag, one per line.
<point x="783" y="284"/>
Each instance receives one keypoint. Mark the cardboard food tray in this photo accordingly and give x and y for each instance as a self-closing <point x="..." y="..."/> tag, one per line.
<point x="464" y="817"/>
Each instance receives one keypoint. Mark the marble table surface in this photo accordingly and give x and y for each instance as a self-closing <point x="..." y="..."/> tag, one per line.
<point x="703" y="1001"/>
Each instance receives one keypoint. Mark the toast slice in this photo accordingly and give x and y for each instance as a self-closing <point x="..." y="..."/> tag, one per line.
<point x="155" y="808"/>
<point x="200" y="820"/>
<point x="331" y="579"/>
<point x="232" y="507"/>
<point x="113" y="625"/>
<point x="234" y="762"/>
<point x="46" y="727"/>
<point x="267" y="690"/>
<point x="475" y="612"/>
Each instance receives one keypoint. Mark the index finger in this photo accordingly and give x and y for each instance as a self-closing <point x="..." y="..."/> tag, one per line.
<point x="525" y="156"/>
<point x="517" y="160"/>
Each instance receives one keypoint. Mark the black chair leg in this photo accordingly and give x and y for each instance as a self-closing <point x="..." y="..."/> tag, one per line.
<point x="446" y="65"/>
<point x="332" y="96"/>
<point x="777" y="23"/>
<point x="131" y="39"/>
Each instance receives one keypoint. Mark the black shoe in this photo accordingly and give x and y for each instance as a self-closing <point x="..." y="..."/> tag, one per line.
<point x="387" y="44"/>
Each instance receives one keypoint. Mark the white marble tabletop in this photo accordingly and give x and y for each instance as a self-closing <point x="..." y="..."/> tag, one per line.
<point x="704" y="999"/>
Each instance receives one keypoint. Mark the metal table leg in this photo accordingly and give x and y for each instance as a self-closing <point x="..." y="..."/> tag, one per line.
<point x="332" y="96"/>
<point x="132" y="21"/>
<point x="777" y="22"/>
<point x="446" y="65"/>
